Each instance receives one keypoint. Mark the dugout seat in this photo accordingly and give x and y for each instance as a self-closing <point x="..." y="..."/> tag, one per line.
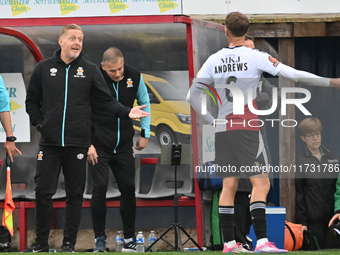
<point x="22" y="177"/>
<point x="163" y="181"/>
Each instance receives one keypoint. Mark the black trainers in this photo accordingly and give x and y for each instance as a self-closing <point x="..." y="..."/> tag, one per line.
<point x="68" y="247"/>
<point x="130" y="246"/>
<point x="36" y="247"/>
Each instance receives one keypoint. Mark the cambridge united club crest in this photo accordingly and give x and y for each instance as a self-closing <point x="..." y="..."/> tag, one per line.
<point x="80" y="72"/>
<point x="129" y="83"/>
<point x="40" y="155"/>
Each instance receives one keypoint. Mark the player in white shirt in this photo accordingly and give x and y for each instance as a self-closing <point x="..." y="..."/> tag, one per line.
<point x="237" y="142"/>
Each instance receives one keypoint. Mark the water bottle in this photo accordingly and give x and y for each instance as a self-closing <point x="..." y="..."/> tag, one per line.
<point x="140" y="242"/>
<point x="119" y="241"/>
<point x="151" y="240"/>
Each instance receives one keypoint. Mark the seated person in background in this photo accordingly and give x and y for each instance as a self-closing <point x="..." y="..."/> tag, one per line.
<point x="314" y="181"/>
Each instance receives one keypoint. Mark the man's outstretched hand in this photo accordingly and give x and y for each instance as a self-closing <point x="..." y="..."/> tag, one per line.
<point x="335" y="83"/>
<point x="137" y="112"/>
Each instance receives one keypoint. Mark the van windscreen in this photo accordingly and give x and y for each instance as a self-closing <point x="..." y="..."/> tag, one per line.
<point x="167" y="91"/>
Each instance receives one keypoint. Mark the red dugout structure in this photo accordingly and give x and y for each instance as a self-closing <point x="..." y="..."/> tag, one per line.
<point x="150" y="43"/>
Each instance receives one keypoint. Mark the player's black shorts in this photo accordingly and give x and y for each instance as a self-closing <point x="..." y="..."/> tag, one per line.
<point x="239" y="151"/>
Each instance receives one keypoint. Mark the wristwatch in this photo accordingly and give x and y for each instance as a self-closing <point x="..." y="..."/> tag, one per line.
<point x="11" y="138"/>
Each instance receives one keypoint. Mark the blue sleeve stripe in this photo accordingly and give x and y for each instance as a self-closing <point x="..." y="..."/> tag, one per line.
<point x="143" y="99"/>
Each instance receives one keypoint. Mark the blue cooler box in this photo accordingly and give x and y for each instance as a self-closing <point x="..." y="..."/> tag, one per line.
<point x="276" y="217"/>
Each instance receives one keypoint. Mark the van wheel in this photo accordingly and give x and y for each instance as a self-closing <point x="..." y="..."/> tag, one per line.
<point x="166" y="136"/>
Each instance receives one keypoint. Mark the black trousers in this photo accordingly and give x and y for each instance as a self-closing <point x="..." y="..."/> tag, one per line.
<point x="122" y="165"/>
<point x="50" y="161"/>
<point x="319" y="231"/>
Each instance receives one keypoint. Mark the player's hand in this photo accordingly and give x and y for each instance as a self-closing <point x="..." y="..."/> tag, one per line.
<point x="141" y="143"/>
<point x="335" y="83"/>
<point x="303" y="228"/>
<point x="137" y="113"/>
<point x="92" y="156"/>
<point x="334" y="219"/>
<point x="11" y="149"/>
